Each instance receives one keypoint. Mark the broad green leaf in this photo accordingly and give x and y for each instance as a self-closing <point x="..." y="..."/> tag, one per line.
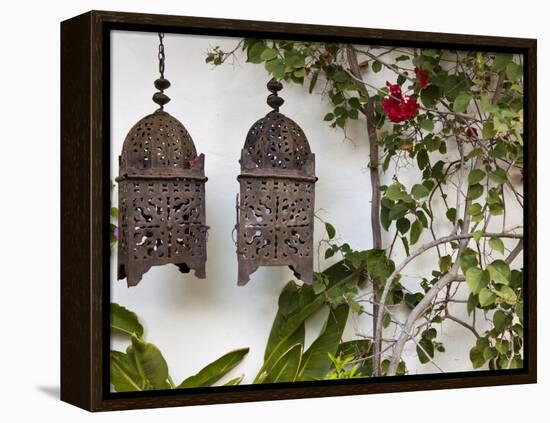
<point x="125" y="321"/>
<point x="416" y="231"/>
<point x="422" y="159"/>
<point x="403" y="225"/>
<point x="255" y="50"/>
<point x="468" y="259"/>
<point x="395" y="192"/>
<point x="514" y="71"/>
<point x="500" y="320"/>
<point x="287" y="330"/>
<point x="331" y="232"/>
<point x="506" y="293"/>
<point x="501" y="61"/>
<point x="497" y="245"/>
<point x="474" y="192"/>
<point x="419" y="191"/>
<point x="475" y="176"/>
<point x="149" y="362"/>
<point x="500" y="272"/>
<point x="427" y="124"/>
<point x="124" y="375"/>
<point x="287" y="367"/>
<point x="461" y="102"/>
<point x="316" y="362"/>
<point x="378" y="265"/>
<point x="488" y="132"/>
<point x="477" y="279"/>
<point x="486" y="297"/>
<point x="425" y="346"/>
<point x="398" y="211"/>
<point x="499" y="176"/>
<point x="276" y="67"/>
<point x="430" y="96"/>
<point x="268" y="54"/>
<point x="215" y="370"/>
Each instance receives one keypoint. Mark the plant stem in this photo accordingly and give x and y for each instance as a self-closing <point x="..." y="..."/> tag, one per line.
<point x="368" y="111"/>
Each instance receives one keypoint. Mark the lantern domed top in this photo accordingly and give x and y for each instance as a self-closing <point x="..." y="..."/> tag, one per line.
<point x="158" y="144"/>
<point x="275" y="141"/>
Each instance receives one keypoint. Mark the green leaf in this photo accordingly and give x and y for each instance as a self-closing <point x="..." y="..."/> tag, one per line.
<point x="500" y="320"/>
<point x="331" y="232"/>
<point x="235" y="381"/>
<point x="287" y="367"/>
<point x="215" y="370"/>
<point x="422" y="159"/>
<point x="276" y="67"/>
<point x="506" y="293"/>
<point x="497" y="245"/>
<point x="340" y="76"/>
<point x="468" y="259"/>
<point x="445" y="263"/>
<point x="514" y="71"/>
<point x="124" y="375"/>
<point x="461" y="102"/>
<point x="268" y="54"/>
<point x="499" y="176"/>
<point x="403" y="225"/>
<point x="427" y="124"/>
<point x="329" y="117"/>
<point x="419" y="191"/>
<point x="474" y="192"/>
<point x="500" y="272"/>
<point x="149" y="362"/>
<point x="416" y="231"/>
<point x="477" y="279"/>
<point x="376" y="66"/>
<point x="395" y="192"/>
<point x="424" y="346"/>
<point x="316" y="362"/>
<point x="488" y="132"/>
<point x="430" y="96"/>
<point x="501" y="61"/>
<point x="254" y="51"/>
<point x="114" y="212"/>
<point x="288" y="331"/>
<point x="125" y="321"/>
<point x="398" y="211"/>
<point x="486" y="297"/>
<point x="475" y="176"/>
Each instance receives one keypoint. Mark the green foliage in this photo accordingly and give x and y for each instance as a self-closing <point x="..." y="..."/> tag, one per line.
<point x="142" y="367"/>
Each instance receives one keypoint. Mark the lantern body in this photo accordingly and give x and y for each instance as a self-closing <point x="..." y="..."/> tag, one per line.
<point x="277" y="197"/>
<point x="161" y="199"/>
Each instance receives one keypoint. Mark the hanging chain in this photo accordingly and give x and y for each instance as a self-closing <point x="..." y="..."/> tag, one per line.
<point x="161" y="55"/>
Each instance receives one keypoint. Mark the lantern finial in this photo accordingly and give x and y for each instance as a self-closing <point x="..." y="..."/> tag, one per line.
<point x="161" y="83"/>
<point x="273" y="99"/>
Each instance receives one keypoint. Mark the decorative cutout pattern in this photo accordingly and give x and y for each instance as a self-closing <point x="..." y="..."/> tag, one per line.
<point x="277" y="197"/>
<point x="161" y="200"/>
<point x="276" y="141"/>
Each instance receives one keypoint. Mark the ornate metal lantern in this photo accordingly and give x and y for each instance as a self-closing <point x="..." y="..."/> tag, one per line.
<point x="161" y="194"/>
<point x="277" y="195"/>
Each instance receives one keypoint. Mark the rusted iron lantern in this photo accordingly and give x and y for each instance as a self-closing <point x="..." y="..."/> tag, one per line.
<point x="160" y="194"/>
<point x="277" y="195"/>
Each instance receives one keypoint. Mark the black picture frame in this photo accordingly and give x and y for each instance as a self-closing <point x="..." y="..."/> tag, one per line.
<point x="85" y="197"/>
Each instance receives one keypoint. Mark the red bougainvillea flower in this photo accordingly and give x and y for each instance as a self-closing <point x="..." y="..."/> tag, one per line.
<point x="422" y="76"/>
<point x="397" y="107"/>
<point x="194" y="160"/>
<point x="471" y="133"/>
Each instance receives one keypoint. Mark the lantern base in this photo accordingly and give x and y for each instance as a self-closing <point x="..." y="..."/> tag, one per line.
<point x="134" y="273"/>
<point x="301" y="268"/>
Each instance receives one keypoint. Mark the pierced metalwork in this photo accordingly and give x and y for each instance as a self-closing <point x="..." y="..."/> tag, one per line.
<point x="161" y="195"/>
<point x="277" y="196"/>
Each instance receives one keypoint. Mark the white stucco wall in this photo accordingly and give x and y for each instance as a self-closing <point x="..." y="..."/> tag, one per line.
<point x="195" y="321"/>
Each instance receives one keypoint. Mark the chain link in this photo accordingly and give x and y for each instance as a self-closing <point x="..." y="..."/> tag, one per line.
<point x="161" y="55"/>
